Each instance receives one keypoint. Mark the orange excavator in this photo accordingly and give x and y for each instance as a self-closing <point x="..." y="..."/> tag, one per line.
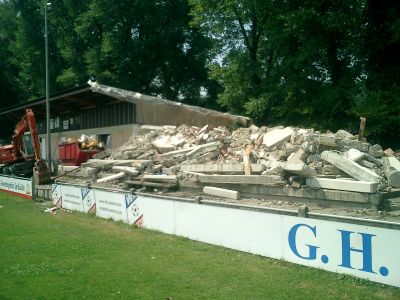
<point x="13" y="160"/>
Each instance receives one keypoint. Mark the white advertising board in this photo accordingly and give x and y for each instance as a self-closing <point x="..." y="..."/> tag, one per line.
<point x="88" y="200"/>
<point x="75" y="198"/>
<point x="111" y="205"/>
<point x="56" y="194"/>
<point x="72" y="198"/>
<point x="363" y="251"/>
<point x="17" y="186"/>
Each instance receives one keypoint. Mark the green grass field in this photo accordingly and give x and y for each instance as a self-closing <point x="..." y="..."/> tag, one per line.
<point x="77" y="256"/>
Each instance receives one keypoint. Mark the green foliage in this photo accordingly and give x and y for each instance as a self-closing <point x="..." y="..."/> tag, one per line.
<point x="145" y="46"/>
<point x="310" y="63"/>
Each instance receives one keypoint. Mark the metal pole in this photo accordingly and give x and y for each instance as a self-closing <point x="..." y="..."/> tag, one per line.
<point x="47" y="88"/>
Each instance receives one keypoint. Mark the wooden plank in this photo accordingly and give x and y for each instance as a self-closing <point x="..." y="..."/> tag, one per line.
<point x="246" y="159"/>
<point x="241" y="179"/>
<point x="221" y="192"/>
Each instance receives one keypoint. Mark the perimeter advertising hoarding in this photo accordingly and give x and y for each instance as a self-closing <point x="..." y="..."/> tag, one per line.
<point x="111" y="205"/>
<point x="21" y="187"/>
<point x="363" y="251"/>
<point x="75" y="198"/>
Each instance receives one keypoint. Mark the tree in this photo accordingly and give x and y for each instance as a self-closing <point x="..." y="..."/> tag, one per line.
<point x="147" y="46"/>
<point x="8" y="72"/>
<point x="238" y="29"/>
<point x="379" y="93"/>
<point x="290" y="61"/>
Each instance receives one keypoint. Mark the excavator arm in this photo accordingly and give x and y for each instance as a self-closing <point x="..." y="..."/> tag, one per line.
<point x="41" y="171"/>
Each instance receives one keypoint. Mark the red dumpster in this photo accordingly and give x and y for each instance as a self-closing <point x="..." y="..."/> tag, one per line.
<point x="72" y="155"/>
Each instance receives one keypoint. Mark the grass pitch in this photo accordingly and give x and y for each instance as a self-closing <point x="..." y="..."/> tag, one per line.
<point x="77" y="256"/>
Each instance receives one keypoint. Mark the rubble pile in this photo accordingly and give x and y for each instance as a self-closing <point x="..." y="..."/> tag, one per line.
<point x="296" y="158"/>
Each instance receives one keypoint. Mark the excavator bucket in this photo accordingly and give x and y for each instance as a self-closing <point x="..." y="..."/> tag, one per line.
<point x="41" y="173"/>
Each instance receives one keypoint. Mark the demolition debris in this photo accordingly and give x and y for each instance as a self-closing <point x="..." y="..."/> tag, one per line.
<point x="280" y="163"/>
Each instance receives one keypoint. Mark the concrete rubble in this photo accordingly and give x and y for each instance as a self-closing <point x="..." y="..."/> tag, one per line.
<point x="248" y="161"/>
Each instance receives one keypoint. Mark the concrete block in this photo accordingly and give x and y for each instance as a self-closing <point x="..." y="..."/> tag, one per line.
<point x="376" y="150"/>
<point x="389" y="152"/>
<point x="354" y="154"/>
<point x="322" y="140"/>
<point x="241" y="179"/>
<point x="331" y="170"/>
<point x="277" y="136"/>
<point x="350" y="167"/>
<point x="163" y="178"/>
<point x="130" y="170"/>
<point x="222" y="168"/>
<point x="168" y="143"/>
<point x="111" y="177"/>
<point x="374" y="160"/>
<point x="221" y="192"/>
<point x="344" y="135"/>
<point x="348" y="144"/>
<point x="298" y="156"/>
<point x="392" y="170"/>
<point x="367" y="164"/>
<point x="314" y="158"/>
<point x="343" y="185"/>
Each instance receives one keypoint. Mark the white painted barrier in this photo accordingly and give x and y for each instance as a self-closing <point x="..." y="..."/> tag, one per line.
<point x="77" y="198"/>
<point x="362" y="251"/>
<point x="21" y="187"/>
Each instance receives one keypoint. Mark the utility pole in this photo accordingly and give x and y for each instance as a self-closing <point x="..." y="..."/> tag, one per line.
<point x="46" y="5"/>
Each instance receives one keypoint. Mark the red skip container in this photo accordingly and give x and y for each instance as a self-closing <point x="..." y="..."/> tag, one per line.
<point x="72" y="155"/>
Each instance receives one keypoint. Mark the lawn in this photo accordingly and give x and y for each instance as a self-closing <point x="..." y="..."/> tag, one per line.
<point x="77" y="256"/>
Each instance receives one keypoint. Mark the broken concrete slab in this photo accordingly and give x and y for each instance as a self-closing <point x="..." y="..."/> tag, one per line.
<point x="343" y="134"/>
<point x="163" y="178"/>
<point x="348" y="144"/>
<point x="129" y="170"/>
<point x="221" y="192"/>
<point x="389" y="152"/>
<point x="350" y="167"/>
<point x="164" y="185"/>
<point x="298" y="168"/>
<point x="343" y="185"/>
<point x="376" y="151"/>
<point x="328" y="169"/>
<point x="222" y="168"/>
<point x="277" y="136"/>
<point x="392" y="171"/>
<point x="367" y="164"/>
<point x="202" y="149"/>
<point x="298" y="156"/>
<point x="374" y="160"/>
<point x="168" y="143"/>
<point x="354" y="154"/>
<point x="241" y="179"/>
<point x="111" y="177"/>
<point x="322" y="140"/>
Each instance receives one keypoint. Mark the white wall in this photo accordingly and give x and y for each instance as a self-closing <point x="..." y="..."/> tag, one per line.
<point x="362" y="251"/>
